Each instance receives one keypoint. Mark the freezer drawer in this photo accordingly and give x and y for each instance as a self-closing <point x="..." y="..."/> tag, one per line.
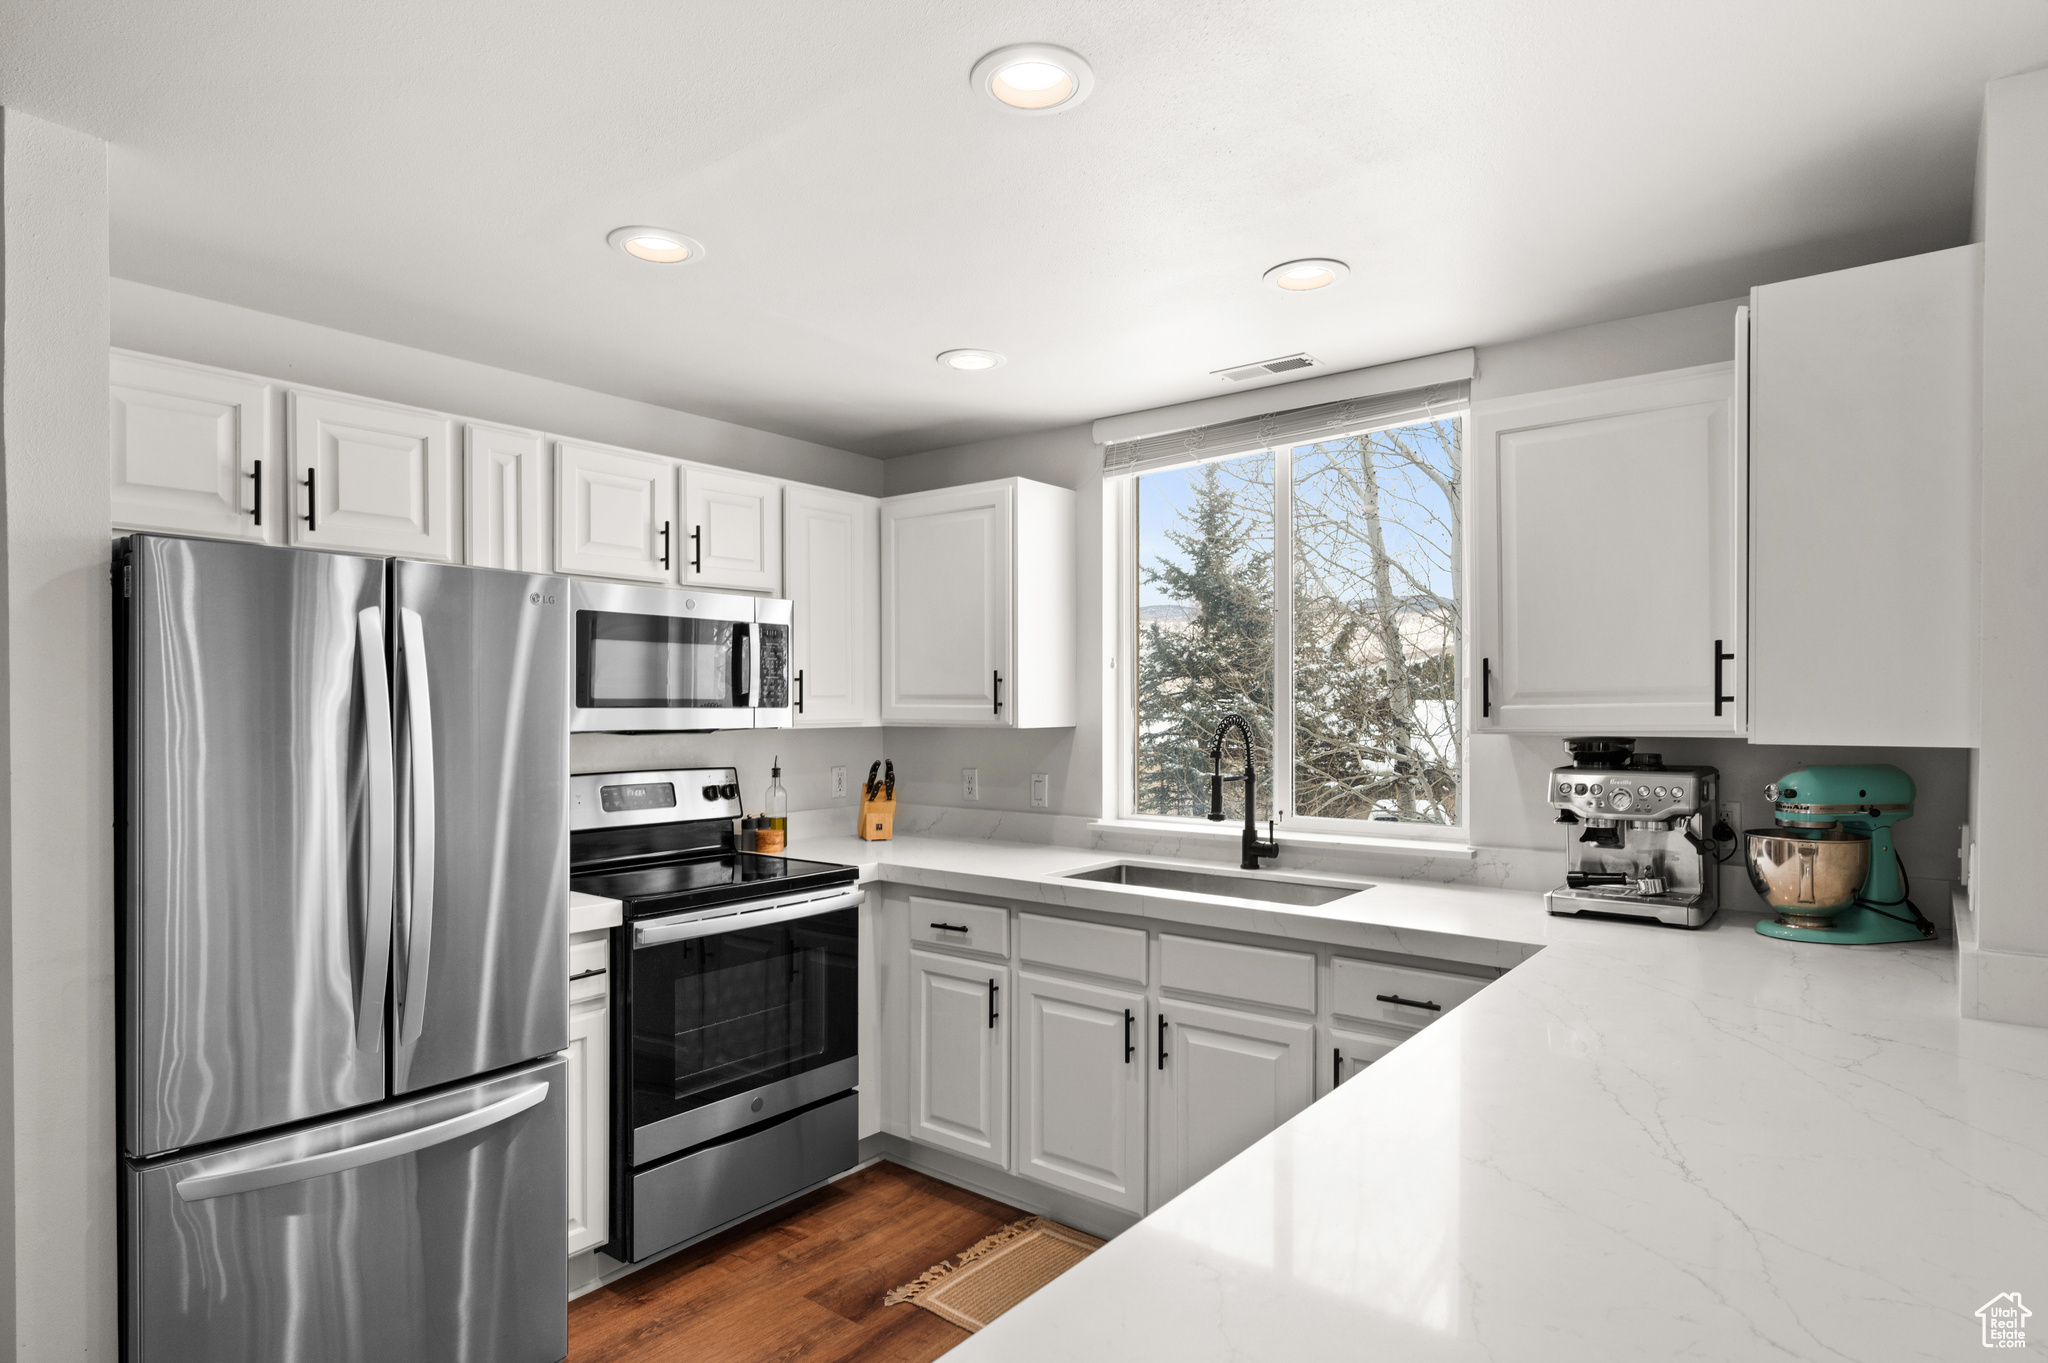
<point x="699" y="1192"/>
<point x="423" y="1231"/>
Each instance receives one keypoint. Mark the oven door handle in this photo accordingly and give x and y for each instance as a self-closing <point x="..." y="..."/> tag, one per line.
<point x="660" y="934"/>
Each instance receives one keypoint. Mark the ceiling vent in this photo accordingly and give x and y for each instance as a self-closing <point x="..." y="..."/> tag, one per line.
<point x="1265" y="369"/>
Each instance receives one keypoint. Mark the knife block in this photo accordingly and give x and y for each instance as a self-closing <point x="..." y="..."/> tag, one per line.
<point x="877" y="818"/>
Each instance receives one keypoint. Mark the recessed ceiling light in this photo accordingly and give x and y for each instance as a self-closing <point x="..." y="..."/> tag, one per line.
<point x="657" y="245"/>
<point x="1299" y="276"/>
<point x="1033" y="78"/>
<point x="970" y="359"/>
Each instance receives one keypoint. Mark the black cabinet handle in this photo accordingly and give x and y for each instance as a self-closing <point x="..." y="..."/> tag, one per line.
<point x="950" y="927"/>
<point x="696" y="548"/>
<point x="1162" y="1041"/>
<point x="799" y="690"/>
<point x="258" y="476"/>
<point x="1336" y="1068"/>
<point x="1130" y="1046"/>
<point x="586" y="974"/>
<point x="664" y="546"/>
<point x="993" y="990"/>
<point x="312" y="500"/>
<point x="1719" y="658"/>
<point x="1485" y="687"/>
<point x="999" y="692"/>
<point x="1409" y="1003"/>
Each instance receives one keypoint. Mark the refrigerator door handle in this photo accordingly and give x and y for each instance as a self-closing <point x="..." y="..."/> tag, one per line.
<point x="297" y="1169"/>
<point x="419" y="739"/>
<point x="378" y="891"/>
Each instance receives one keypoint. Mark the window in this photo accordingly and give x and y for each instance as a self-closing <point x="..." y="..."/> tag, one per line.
<point x="1315" y="589"/>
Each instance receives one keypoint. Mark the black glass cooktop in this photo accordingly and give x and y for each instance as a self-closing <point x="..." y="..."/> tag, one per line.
<point x="702" y="882"/>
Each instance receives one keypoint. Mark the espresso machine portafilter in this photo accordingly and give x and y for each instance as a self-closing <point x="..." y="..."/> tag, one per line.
<point x="1639" y="836"/>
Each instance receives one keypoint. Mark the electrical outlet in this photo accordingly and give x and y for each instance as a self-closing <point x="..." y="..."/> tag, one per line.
<point x="1730" y="813"/>
<point x="1041" y="790"/>
<point x="970" y="783"/>
<point x="839" y="783"/>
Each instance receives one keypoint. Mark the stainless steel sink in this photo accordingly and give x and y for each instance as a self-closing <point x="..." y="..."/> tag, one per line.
<point x="1205" y="882"/>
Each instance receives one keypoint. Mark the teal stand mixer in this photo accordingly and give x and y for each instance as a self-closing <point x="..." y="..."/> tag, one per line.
<point x="1828" y="869"/>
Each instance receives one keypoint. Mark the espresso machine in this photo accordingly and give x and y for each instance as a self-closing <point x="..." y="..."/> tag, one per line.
<point x="1639" y="836"/>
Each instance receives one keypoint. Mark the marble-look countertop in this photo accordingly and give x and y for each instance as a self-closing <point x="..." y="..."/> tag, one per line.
<point x="593" y="913"/>
<point x="1639" y="1143"/>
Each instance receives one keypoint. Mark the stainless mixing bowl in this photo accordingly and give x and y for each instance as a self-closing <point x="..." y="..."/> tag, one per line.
<point x="1807" y="875"/>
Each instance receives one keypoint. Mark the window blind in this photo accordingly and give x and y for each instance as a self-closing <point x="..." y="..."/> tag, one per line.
<point x="1297" y="426"/>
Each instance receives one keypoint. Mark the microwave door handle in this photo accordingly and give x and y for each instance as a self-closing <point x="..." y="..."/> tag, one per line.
<point x="377" y="888"/>
<point x="419" y="731"/>
<point x="745" y="664"/>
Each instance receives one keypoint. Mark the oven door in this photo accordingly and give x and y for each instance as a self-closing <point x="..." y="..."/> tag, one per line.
<point x="651" y="659"/>
<point x="739" y="1018"/>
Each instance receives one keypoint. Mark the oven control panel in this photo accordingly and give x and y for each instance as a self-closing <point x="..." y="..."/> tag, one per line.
<point x="615" y="799"/>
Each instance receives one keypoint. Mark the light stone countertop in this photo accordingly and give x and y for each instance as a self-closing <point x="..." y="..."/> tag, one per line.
<point x="592" y="913"/>
<point x="1640" y="1143"/>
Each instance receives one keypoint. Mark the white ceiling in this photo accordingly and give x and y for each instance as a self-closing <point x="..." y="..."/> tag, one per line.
<point x="442" y="173"/>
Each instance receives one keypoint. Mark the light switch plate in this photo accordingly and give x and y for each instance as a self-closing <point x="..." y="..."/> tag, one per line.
<point x="1041" y="790"/>
<point x="839" y="783"/>
<point x="970" y="783"/>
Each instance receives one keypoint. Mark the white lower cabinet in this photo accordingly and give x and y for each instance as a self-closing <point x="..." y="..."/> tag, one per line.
<point x="960" y="1056"/>
<point x="1081" y="1088"/>
<point x="1222" y="1079"/>
<point x="1345" y="1054"/>
<point x="589" y="1082"/>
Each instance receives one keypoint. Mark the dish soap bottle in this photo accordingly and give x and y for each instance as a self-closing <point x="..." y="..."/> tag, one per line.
<point x="775" y="836"/>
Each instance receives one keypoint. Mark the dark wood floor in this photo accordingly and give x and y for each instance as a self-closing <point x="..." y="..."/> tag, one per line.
<point x="803" y="1281"/>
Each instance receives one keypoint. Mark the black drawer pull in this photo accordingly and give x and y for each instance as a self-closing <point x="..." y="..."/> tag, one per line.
<point x="258" y="476"/>
<point x="586" y="974"/>
<point x="1162" y="1041"/>
<point x="950" y="927"/>
<point x="1130" y="1047"/>
<point x="1409" y="1003"/>
<point x="1336" y="1068"/>
<point x="1719" y="658"/>
<point x="993" y="990"/>
<point x="312" y="517"/>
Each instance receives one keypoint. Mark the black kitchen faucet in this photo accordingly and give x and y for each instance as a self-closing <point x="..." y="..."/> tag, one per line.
<point x="1253" y="848"/>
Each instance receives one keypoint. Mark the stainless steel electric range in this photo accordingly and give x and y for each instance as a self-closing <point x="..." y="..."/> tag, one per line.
<point x="735" y="1007"/>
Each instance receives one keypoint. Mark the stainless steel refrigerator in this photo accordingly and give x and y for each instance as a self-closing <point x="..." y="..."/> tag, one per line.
<point x="343" y="934"/>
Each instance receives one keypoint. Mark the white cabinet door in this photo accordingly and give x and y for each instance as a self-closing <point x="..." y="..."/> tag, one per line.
<point x="371" y="477"/>
<point x="1081" y="1056"/>
<point x="833" y="574"/>
<point x="191" y="450"/>
<point x="1608" y="525"/>
<point x="1864" y="392"/>
<point x="732" y="531"/>
<point x="1226" y="1079"/>
<point x="615" y="513"/>
<point x="589" y="1116"/>
<point x="960" y="1056"/>
<point x="501" y="471"/>
<point x="946" y="605"/>
<point x="1345" y="1055"/>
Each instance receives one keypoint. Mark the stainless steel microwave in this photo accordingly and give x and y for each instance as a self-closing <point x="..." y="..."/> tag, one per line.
<point x="648" y="659"/>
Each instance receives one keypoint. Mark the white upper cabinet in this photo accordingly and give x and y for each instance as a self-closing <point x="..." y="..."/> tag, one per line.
<point x="832" y="572"/>
<point x="1223" y="1079"/>
<point x="371" y="477"/>
<point x="978" y="606"/>
<point x="192" y="450"/>
<point x="1864" y="391"/>
<point x="502" y="483"/>
<point x="615" y="513"/>
<point x="1608" y="587"/>
<point x="731" y="531"/>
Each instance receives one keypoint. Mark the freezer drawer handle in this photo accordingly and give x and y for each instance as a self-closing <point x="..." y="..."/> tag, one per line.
<point x="419" y="746"/>
<point x="377" y="890"/>
<point x="228" y="1182"/>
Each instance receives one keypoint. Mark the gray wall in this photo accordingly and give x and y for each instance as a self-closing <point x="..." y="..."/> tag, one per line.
<point x="160" y="322"/>
<point x="57" y="1142"/>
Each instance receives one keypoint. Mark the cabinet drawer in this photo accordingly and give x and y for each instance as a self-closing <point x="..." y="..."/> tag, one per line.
<point x="963" y="927"/>
<point x="1226" y="970"/>
<point x="589" y="963"/>
<point x="1368" y="990"/>
<point x="1090" y="948"/>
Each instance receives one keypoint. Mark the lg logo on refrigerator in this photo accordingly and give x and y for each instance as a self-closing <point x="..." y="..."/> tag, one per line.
<point x="538" y="599"/>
